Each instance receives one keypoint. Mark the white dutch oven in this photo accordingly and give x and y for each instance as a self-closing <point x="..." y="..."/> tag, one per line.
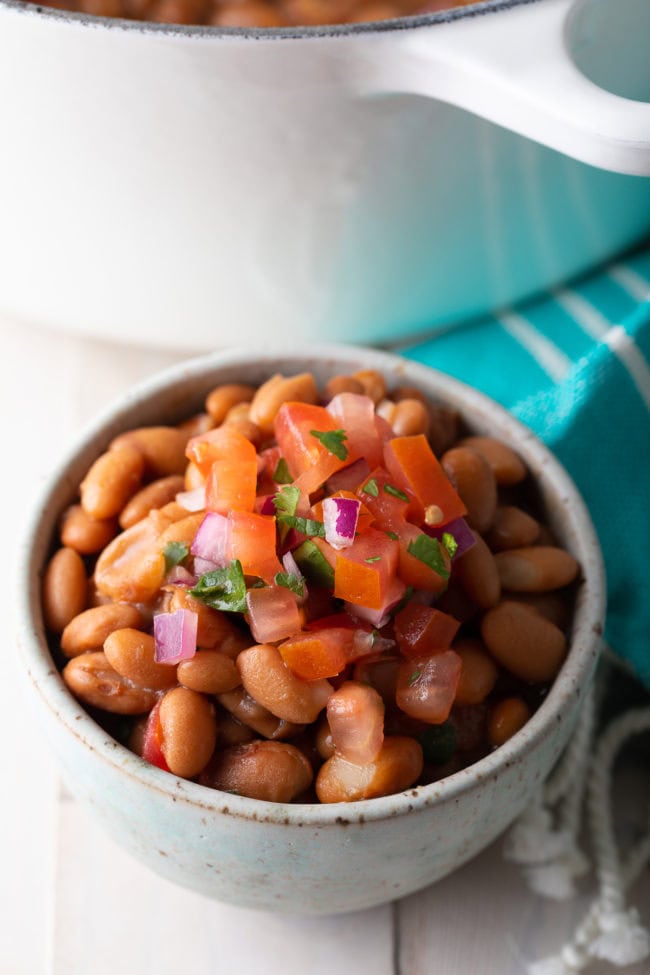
<point x="187" y="185"/>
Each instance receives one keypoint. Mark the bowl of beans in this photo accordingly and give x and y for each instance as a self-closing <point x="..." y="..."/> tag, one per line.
<point x="308" y="629"/>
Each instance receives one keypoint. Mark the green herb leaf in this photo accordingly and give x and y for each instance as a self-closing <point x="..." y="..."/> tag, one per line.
<point x="396" y="493"/>
<point x="414" y="676"/>
<point x="223" y="589"/>
<point x="314" y="565"/>
<point x="304" y="525"/>
<point x="439" y="742"/>
<point x="281" y="473"/>
<point x="450" y="544"/>
<point x="373" y="558"/>
<point x="393" y="535"/>
<point x="428" y="550"/>
<point x="332" y="440"/>
<point x="371" y="488"/>
<point x="403" y="601"/>
<point x="175" y="553"/>
<point x="291" y="582"/>
<point x="285" y="501"/>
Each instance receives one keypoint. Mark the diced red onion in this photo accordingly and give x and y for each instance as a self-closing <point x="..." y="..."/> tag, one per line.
<point x="211" y="539"/>
<point x="179" y="576"/>
<point x="174" y="636"/>
<point x="340" y="516"/>
<point x="201" y="566"/>
<point x="379" y="617"/>
<point x="291" y="566"/>
<point x="192" y="500"/>
<point x="349" y="478"/>
<point x="267" y="507"/>
<point x="460" y="530"/>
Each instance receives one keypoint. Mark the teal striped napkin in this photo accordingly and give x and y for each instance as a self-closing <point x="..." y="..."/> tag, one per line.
<point x="574" y="366"/>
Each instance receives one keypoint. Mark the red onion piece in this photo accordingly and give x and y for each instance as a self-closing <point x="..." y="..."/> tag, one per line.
<point x="349" y="478"/>
<point x="291" y="566"/>
<point x="272" y="613"/>
<point x="179" y="576"/>
<point x="175" y="636"/>
<point x="379" y="617"/>
<point x="266" y="507"/>
<point x="201" y="566"/>
<point x="459" y="529"/>
<point x="340" y="516"/>
<point x="211" y="539"/>
<point x="192" y="500"/>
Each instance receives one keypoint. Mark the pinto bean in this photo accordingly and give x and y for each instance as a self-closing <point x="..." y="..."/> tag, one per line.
<point x="443" y="427"/>
<point x="111" y="481"/>
<point x="197" y="425"/>
<point x="475" y="483"/>
<point x="374" y="384"/>
<point x="209" y="672"/>
<point x="250" y="713"/>
<point x="162" y="448"/>
<point x="341" y="384"/>
<point x="512" y="528"/>
<point x="131" y="653"/>
<point x="132" y="567"/>
<point x="508" y="467"/>
<point x="84" y="534"/>
<point x="233" y="732"/>
<point x="91" y="678"/>
<point x="238" y="418"/>
<point x="269" y="681"/>
<point x="477" y="573"/>
<point x="278" y="390"/>
<point x="269" y="770"/>
<point x="89" y="629"/>
<point x="188" y="731"/>
<point x="65" y="589"/>
<point x="398" y="766"/>
<point x="222" y="398"/>
<point x="523" y="641"/>
<point x="323" y="739"/>
<point x="539" y="568"/>
<point x="478" y="675"/>
<point x="154" y="495"/>
<point x="506" y="719"/>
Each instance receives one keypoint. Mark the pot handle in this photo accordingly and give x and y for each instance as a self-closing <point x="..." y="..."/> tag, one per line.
<point x="514" y="68"/>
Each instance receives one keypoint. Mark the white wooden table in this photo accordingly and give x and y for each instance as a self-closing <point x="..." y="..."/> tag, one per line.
<point x="72" y="903"/>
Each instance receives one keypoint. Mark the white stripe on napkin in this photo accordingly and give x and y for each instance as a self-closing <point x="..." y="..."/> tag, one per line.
<point x="631" y="281"/>
<point x="625" y="348"/>
<point x="586" y="316"/>
<point x="547" y="355"/>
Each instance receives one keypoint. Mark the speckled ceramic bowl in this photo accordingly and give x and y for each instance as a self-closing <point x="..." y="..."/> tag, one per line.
<point x="305" y="858"/>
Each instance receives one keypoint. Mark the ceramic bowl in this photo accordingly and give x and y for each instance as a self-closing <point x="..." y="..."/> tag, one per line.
<point x="305" y="858"/>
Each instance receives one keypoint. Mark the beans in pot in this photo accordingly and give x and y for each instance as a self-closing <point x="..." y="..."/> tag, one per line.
<point x="306" y="594"/>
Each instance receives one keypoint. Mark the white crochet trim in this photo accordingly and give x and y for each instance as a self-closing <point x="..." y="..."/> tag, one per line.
<point x="609" y="930"/>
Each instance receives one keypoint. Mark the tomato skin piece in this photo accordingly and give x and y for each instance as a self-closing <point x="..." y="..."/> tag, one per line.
<point x="152" y="743"/>
<point x="363" y="582"/>
<point x="413" y="571"/>
<point x="420" y="630"/>
<point x="388" y="510"/>
<point x="415" y="469"/>
<point x="309" y="462"/>
<point x="252" y="540"/>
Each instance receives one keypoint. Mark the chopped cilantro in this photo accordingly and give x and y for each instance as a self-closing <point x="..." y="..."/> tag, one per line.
<point x="450" y="544"/>
<point x="371" y="488"/>
<point x="373" y="558"/>
<point x="439" y="743"/>
<point x="393" y="535"/>
<point x="428" y="550"/>
<point x="291" y="582"/>
<point x="223" y="589"/>
<point x="175" y="553"/>
<point x="281" y="473"/>
<point x="396" y="493"/>
<point x="285" y="501"/>
<point x="304" y="525"/>
<point x="414" y="676"/>
<point x="314" y="564"/>
<point x="332" y="440"/>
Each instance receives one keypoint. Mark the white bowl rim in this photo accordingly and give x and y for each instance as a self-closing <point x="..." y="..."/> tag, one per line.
<point x="475" y="9"/>
<point x="572" y="680"/>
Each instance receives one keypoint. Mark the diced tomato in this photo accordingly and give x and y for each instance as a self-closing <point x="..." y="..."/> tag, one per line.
<point x="420" y="630"/>
<point x="252" y="540"/>
<point x="356" y="415"/>
<point x="224" y="443"/>
<point x="336" y="620"/>
<point x="231" y="484"/>
<point x="268" y="461"/>
<point x="377" y="618"/>
<point x="309" y="461"/>
<point x="315" y="654"/>
<point x="414" y="468"/>
<point x="426" y="686"/>
<point x="412" y="570"/>
<point x="273" y="613"/>
<point x="348" y="478"/>
<point x="380" y="671"/>
<point x="152" y="744"/>
<point x="386" y="507"/>
<point x="364" y="572"/>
